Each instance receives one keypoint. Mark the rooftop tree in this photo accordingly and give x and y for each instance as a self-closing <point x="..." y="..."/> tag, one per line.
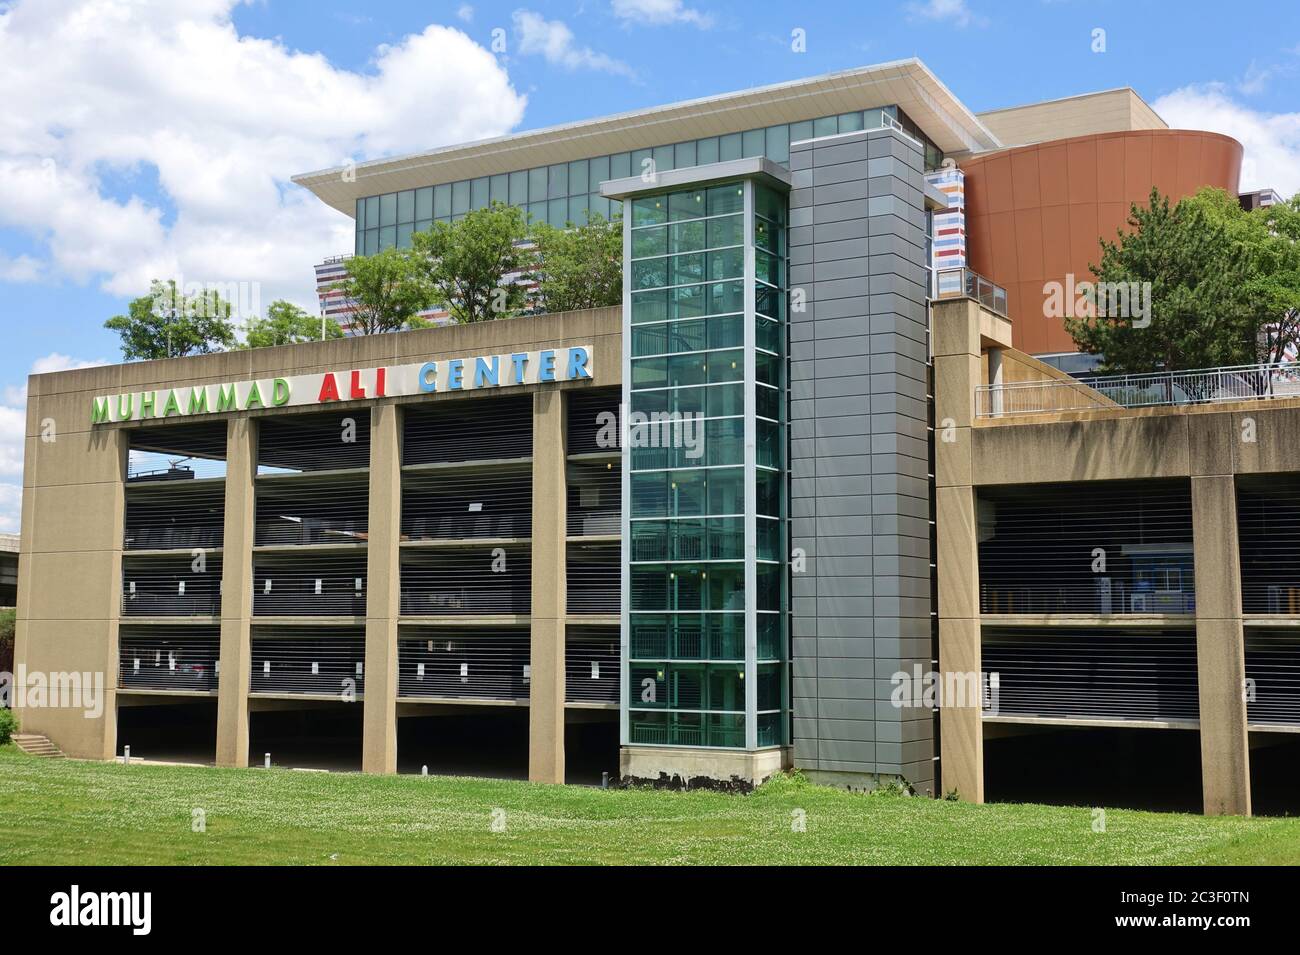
<point x="388" y="290"/>
<point x="475" y="266"/>
<point x="287" y="324"/>
<point x="579" y="267"/>
<point x="169" y="324"/>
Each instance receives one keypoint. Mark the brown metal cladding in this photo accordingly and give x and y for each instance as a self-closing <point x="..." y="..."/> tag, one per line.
<point x="1035" y="213"/>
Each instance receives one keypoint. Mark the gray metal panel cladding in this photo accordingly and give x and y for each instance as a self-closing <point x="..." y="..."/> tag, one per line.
<point x="860" y="495"/>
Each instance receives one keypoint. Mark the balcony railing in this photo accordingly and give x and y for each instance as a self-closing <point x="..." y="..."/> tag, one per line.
<point x="963" y="283"/>
<point x="1197" y="386"/>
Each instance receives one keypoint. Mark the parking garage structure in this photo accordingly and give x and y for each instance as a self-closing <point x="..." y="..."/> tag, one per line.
<point x="1129" y="574"/>
<point x="310" y="579"/>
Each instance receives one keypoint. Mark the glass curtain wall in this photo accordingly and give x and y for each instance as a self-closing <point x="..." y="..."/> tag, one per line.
<point x="705" y="468"/>
<point x="568" y="192"/>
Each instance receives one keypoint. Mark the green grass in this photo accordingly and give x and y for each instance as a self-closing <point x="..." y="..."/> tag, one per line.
<point x="75" y="812"/>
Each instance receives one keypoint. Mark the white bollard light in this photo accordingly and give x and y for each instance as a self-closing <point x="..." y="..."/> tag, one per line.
<point x="126" y="754"/>
<point x="268" y="761"/>
<point x="424" y="770"/>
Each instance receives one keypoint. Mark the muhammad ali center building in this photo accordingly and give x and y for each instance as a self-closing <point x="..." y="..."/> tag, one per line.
<point x="732" y="526"/>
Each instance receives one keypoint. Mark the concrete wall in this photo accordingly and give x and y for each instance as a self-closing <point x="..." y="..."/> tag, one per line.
<point x="73" y="510"/>
<point x="860" y="503"/>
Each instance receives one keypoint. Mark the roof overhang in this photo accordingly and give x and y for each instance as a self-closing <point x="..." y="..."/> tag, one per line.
<point x="758" y="168"/>
<point x="909" y="84"/>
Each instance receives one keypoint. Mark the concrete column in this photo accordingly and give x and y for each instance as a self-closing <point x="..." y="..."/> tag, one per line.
<point x="957" y="370"/>
<point x="546" y="687"/>
<point x="236" y="593"/>
<point x="383" y="596"/>
<point x="1220" y="648"/>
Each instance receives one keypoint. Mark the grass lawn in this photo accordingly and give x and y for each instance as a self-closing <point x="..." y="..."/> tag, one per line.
<point x="80" y="813"/>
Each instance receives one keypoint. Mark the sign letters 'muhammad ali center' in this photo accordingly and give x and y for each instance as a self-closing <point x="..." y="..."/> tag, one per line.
<point x="453" y="374"/>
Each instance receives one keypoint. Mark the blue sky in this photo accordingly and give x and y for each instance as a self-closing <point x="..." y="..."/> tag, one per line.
<point x="154" y="137"/>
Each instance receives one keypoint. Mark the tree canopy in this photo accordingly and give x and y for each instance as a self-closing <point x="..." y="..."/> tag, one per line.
<point x="579" y="267"/>
<point x="1224" y="286"/>
<point x="388" y="289"/>
<point x="169" y="324"/>
<point x="287" y="324"/>
<point x="475" y="266"/>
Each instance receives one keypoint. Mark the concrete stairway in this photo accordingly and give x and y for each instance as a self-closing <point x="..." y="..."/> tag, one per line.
<point x="34" y="745"/>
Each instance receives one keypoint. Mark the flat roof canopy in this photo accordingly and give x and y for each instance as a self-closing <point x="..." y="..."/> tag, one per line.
<point x="909" y="84"/>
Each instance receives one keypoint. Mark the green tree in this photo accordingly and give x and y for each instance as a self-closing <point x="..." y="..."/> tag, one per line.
<point x="1224" y="287"/>
<point x="472" y="266"/>
<point x="168" y="324"/>
<point x="388" y="289"/>
<point x="287" y="324"/>
<point x="579" y="267"/>
<point x="1276" y="287"/>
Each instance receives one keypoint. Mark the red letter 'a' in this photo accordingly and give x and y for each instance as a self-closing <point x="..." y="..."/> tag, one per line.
<point x="329" y="388"/>
<point x="357" y="390"/>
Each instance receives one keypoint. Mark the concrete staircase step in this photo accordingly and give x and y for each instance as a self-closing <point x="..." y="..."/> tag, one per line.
<point x="34" y="745"/>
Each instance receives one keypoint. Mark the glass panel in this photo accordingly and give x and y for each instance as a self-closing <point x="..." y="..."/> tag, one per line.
<point x="706" y="150"/>
<point x="460" y="197"/>
<point x="499" y="188"/>
<point x="684" y="155"/>
<point x="519" y="188"/>
<point x="372" y="241"/>
<point x="778" y="144"/>
<point x="404" y="235"/>
<point x="559" y="181"/>
<point x="640" y="161"/>
<point x="537" y="184"/>
<point x="424" y="203"/>
<point x="686" y="205"/>
<point x="826" y="126"/>
<point x="387" y="237"/>
<point x="724" y="199"/>
<point x="651" y="210"/>
<point x="801" y="131"/>
<point x="752" y="143"/>
<point x="620" y="166"/>
<point x="388" y="209"/>
<point x="651" y="241"/>
<point x="597" y="172"/>
<point x="578" y="177"/>
<point x="850" y="122"/>
<point x="663" y="157"/>
<point x="599" y="205"/>
<point x="686" y="236"/>
<point x="729" y="147"/>
<point x="557" y="212"/>
<point x="406" y="206"/>
<point x="442" y="200"/>
<point x="479" y="193"/>
<point x="578" y="209"/>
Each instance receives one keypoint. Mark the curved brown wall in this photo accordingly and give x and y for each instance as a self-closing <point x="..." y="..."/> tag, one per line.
<point x="1035" y="213"/>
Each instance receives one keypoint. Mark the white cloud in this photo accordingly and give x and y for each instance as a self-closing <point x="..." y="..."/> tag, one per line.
<point x="13" y="428"/>
<point x="20" y="268"/>
<point x="99" y="90"/>
<point x="465" y="13"/>
<point x="658" y="12"/>
<point x="553" y="40"/>
<point x="1271" y="140"/>
<point x="953" y="12"/>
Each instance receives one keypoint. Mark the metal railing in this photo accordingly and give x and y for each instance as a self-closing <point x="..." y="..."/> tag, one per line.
<point x="1195" y="386"/>
<point x="964" y="283"/>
